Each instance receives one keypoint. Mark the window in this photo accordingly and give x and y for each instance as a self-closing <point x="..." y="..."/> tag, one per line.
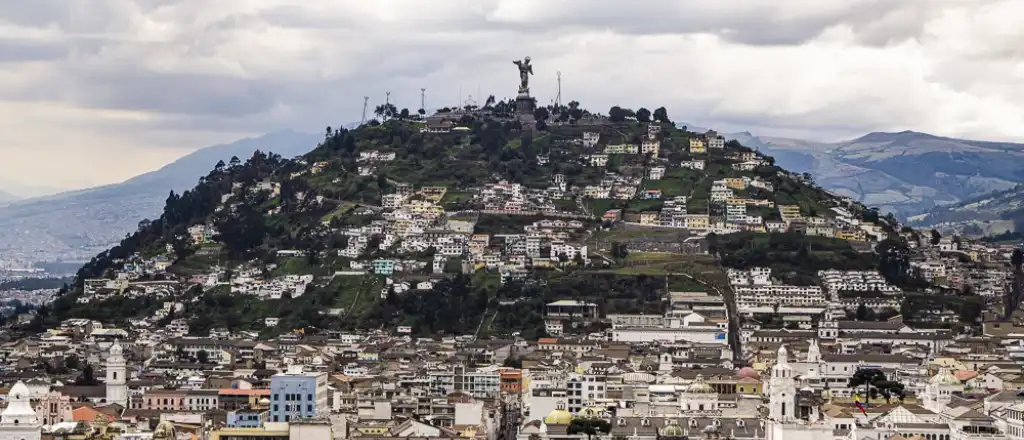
<point x="309" y="397"/>
<point x="309" y="408"/>
<point x="275" y="409"/>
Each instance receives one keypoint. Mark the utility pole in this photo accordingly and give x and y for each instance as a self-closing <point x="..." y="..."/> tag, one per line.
<point x="423" y="98"/>
<point x="366" y="100"/>
<point x="387" y="100"/>
<point x="558" y="97"/>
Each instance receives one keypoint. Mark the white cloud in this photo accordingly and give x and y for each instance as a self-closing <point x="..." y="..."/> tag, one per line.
<point x="103" y="89"/>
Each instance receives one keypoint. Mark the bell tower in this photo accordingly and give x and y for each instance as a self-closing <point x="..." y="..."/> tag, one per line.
<point x="117" y="380"/>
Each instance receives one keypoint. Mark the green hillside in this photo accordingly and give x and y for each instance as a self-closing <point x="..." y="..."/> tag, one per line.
<point x="331" y="216"/>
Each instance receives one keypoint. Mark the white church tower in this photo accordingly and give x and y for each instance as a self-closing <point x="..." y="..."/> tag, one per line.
<point x="117" y="380"/>
<point x="782" y="390"/>
<point x="18" y="421"/>
<point x="828" y="327"/>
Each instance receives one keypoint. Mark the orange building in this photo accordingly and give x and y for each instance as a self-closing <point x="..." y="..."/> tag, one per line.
<point x="511" y="380"/>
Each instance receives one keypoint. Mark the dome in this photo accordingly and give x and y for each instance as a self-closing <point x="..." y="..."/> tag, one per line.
<point x="748" y="373"/>
<point x="673" y="430"/>
<point x="944" y="377"/>
<point x="558" y="417"/>
<point x="783" y="355"/>
<point x="164" y="431"/>
<point x="699" y="386"/>
<point x="264" y="402"/>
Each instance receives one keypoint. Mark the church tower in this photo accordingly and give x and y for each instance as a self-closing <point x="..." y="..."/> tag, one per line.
<point x="782" y="390"/>
<point x="828" y="326"/>
<point x="19" y="421"/>
<point x="117" y="380"/>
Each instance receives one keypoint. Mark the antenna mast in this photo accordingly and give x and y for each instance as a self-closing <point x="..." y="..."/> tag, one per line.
<point x="366" y="100"/>
<point x="387" y="100"/>
<point x="558" y="97"/>
<point x="423" y="99"/>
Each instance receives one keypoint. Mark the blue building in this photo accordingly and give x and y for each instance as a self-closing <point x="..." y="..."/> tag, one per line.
<point x="246" y="419"/>
<point x="297" y="395"/>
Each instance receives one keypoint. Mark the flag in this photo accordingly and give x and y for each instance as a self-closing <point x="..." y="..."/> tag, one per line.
<point x="860" y="406"/>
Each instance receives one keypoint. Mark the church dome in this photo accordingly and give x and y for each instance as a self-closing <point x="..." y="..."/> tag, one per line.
<point x="748" y="373"/>
<point x="264" y="402"/>
<point x="164" y="431"/>
<point x="699" y="386"/>
<point x="558" y="417"/>
<point x="944" y="377"/>
<point x="673" y="430"/>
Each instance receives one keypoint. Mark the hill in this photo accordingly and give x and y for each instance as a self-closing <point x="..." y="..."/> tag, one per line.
<point x="493" y="219"/>
<point x="6" y="197"/>
<point x="907" y="173"/>
<point x="991" y="214"/>
<point x="74" y="226"/>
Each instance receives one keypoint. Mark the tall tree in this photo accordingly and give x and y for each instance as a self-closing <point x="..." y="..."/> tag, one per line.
<point x="643" y="115"/>
<point x="661" y="115"/>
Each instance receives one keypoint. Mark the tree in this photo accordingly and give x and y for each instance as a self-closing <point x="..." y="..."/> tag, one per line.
<point x="588" y="426"/>
<point x="712" y="240"/>
<point x="421" y="112"/>
<point x="72" y="363"/>
<point x="578" y="259"/>
<point x="875" y="382"/>
<point x="202" y="356"/>
<point x="862" y="312"/>
<point x="643" y="115"/>
<point x="616" y="114"/>
<point x="541" y="114"/>
<point x="404" y="114"/>
<point x="936" y="237"/>
<point x="661" y="115"/>
<point x="87" y="378"/>
<point x="619" y="250"/>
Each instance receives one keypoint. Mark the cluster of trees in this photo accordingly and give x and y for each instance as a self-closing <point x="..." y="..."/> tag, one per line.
<point x="619" y="114"/>
<point x="875" y="383"/>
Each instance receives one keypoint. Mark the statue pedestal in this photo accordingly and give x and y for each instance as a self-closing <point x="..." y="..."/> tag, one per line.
<point x="525" y="105"/>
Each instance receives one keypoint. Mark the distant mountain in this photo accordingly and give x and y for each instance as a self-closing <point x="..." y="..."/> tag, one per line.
<point x="7" y="197"/>
<point x="76" y="225"/>
<point x="990" y="214"/>
<point x="906" y="173"/>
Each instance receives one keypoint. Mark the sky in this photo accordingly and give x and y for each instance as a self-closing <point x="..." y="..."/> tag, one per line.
<point x="96" y="91"/>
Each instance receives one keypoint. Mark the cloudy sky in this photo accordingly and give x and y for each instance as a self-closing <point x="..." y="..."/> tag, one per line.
<point x="95" y="91"/>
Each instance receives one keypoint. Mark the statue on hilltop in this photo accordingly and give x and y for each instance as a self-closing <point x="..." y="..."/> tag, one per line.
<point x="525" y="70"/>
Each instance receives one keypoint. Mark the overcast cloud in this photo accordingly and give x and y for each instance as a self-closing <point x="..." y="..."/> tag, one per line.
<point x="95" y="91"/>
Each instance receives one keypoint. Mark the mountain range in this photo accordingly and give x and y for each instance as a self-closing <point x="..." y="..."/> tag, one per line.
<point x="75" y="225"/>
<point x="906" y="173"/>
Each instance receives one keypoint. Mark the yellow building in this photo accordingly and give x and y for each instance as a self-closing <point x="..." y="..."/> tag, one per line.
<point x="697" y="221"/>
<point x="650" y="147"/>
<point x="433" y="193"/>
<point x="697" y="146"/>
<point x="854" y="235"/>
<point x="650" y="218"/>
<point x="789" y="211"/>
<point x="735" y="182"/>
